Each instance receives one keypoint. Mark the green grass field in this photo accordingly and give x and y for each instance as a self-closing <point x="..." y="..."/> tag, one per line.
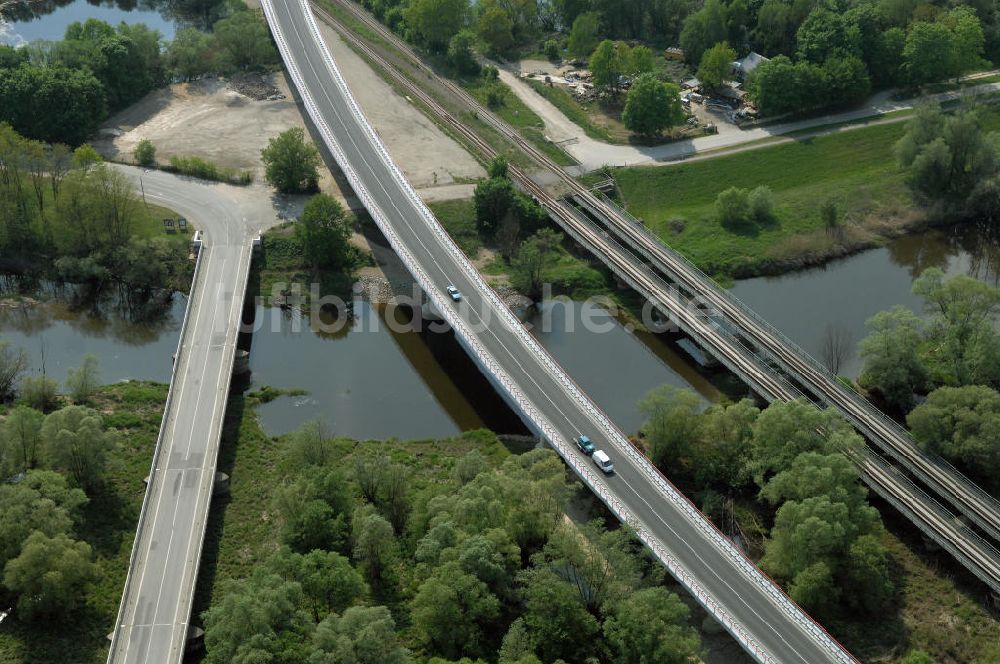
<point x="855" y="169"/>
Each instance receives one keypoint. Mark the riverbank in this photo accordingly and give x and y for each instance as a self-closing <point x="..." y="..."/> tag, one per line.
<point x="855" y="171"/>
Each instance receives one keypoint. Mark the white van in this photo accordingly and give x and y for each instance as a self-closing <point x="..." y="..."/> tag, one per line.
<point x="603" y="462"/>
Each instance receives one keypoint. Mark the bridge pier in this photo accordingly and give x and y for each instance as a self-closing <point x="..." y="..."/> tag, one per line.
<point x="220" y="487"/>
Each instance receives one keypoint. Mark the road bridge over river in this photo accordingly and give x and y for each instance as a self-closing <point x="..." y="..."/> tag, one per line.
<point x="749" y="605"/>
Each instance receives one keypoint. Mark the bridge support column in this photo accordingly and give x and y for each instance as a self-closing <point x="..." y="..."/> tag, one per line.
<point x="711" y="626"/>
<point x="241" y="363"/>
<point x="221" y="485"/>
<point x="929" y="544"/>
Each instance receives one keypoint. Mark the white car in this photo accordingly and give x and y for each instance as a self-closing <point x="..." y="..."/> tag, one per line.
<point x="603" y="461"/>
<point x="454" y="293"/>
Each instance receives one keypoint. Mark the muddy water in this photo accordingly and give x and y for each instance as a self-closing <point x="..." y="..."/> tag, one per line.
<point x="132" y="339"/>
<point x="847" y="292"/>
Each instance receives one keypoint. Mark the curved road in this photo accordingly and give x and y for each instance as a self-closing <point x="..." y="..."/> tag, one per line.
<point x="754" y="610"/>
<point x="156" y="606"/>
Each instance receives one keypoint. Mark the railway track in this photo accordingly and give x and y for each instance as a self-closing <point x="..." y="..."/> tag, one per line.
<point x="968" y="547"/>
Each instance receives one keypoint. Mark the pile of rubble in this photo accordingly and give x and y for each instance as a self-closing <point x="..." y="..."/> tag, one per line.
<point x="255" y="87"/>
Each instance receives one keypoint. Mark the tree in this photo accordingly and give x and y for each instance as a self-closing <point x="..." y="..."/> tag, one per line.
<point x="775" y="87"/>
<point x="291" y="165"/>
<point x="642" y="61"/>
<point x="40" y="392"/>
<point x="866" y="571"/>
<point x="324" y="231"/>
<point x="846" y="79"/>
<point x="75" y="442"/>
<point x="703" y="28"/>
<point x="835" y="346"/>
<point x="41" y="501"/>
<point x="555" y="617"/>
<point x="55" y="104"/>
<point x="652" y="106"/>
<point x="435" y="22"/>
<point x="461" y="54"/>
<point x="969" y="41"/>
<point x="20" y="440"/>
<point x="672" y="423"/>
<point x="311" y="444"/>
<point x="583" y="35"/>
<point x="190" y="54"/>
<point x="329" y="583"/>
<point x="13" y="363"/>
<point x="760" y="204"/>
<point x="825" y="34"/>
<point x="816" y="474"/>
<point x="494" y="198"/>
<point x="891" y="364"/>
<point x="469" y="466"/>
<point x="517" y="643"/>
<point x="719" y="455"/>
<point x="929" y="54"/>
<point x="716" y="65"/>
<point x="450" y="610"/>
<point x="145" y="153"/>
<point x="245" y="41"/>
<point x="259" y="619"/>
<point x="733" y="206"/>
<point x="609" y="63"/>
<point x="362" y="635"/>
<point x="495" y="28"/>
<point x="83" y="381"/>
<point x="961" y="424"/>
<point x="374" y="543"/>
<point x="650" y="627"/>
<point x="536" y="254"/>
<point x="50" y="575"/>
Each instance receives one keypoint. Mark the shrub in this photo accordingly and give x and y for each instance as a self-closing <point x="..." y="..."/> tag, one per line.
<point x="496" y="95"/>
<point x="733" y="205"/>
<point x="145" y="153"/>
<point x="761" y="204"/>
<point x="552" y="49"/>
<point x="40" y="392"/>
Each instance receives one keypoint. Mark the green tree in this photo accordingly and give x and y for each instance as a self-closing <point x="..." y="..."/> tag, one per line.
<point x="583" y="35"/>
<point x="609" y="63"/>
<point x="362" y="635"/>
<point x="961" y="424"/>
<point x="451" y="610"/>
<point x="826" y="34"/>
<point x="55" y="103"/>
<point x="20" y="440"/>
<point x="75" y="442"/>
<point x="82" y="382"/>
<point x="556" y="618"/>
<point x="374" y="543"/>
<point x="969" y="40"/>
<point x="435" y="22"/>
<point x="494" y="198"/>
<point x="891" y="363"/>
<point x="672" y="424"/>
<point x="846" y="79"/>
<point x="517" y="644"/>
<point x="258" y="619"/>
<point x="930" y="53"/>
<point x="291" y="165"/>
<point x="145" y="153"/>
<point x="641" y="59"/>
<point x="719" y="456"/>
<point x="760" y="204"/>
<point x="652" y="106"/>
<point x="470" y="465"/>
<point x="866" y="572"/>
<point x="703" y="28"/>
<point x="51" y="575"/>
<point x="324" y="231"/>
<point x="329" y="583"/>
<point x="732" y="206"/>
<point x="244" y="41"/>
<point x="40" y="392"/>
<point x="41" y="501"/>
<point x="495" y="28"/>
<point x="461" y="53"/>
<point x="917" y="657"/>
<point x="716" y="65"/>
<point x="537" y="253"/>
<point x="649" y="626"/>
<point x="191" y="53"/>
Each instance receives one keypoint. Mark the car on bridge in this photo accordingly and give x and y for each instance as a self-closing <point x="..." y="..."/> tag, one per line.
<point x="455" y="294"/>
<point x="603" y="461"/>
<point x="583" y="442"/>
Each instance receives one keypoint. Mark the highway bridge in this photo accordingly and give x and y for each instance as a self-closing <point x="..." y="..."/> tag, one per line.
<point x="750" y="606"/>
<point x="153" y="617"/>
<point x="922" y="487"/>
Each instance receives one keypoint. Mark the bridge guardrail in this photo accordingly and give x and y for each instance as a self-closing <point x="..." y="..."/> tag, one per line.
<point x="196" y="243"/>
<point x="542" y="425"/>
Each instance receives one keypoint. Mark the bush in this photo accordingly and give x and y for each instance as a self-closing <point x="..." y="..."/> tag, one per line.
<point x="733" y="205"/>
<point x="197" y="167"/>
<point x="761" y="204"/>
<point x="552" y="49"/>
<point x="145" y="153"/>
<point x="39" y="392"/>
<point x="496" y="96"/>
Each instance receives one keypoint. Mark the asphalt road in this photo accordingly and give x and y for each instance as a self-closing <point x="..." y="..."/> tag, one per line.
<point x="156" y="607"/>
<point x="774" y="629"/>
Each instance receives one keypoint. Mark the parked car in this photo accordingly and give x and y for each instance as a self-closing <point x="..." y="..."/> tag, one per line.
<point x="583" y="442"/>
<point x="454" y="293"/>
<point x="603" y="461"/>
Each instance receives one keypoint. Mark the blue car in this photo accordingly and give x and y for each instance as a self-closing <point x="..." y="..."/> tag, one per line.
<point x="585" y="445"/>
